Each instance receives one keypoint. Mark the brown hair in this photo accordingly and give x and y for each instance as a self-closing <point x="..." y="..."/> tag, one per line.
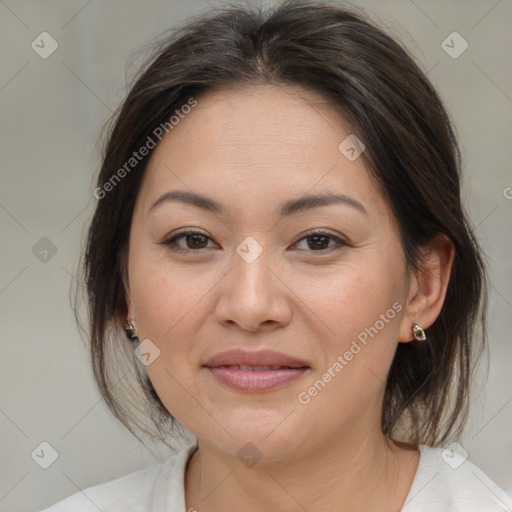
<point x="411" y="151"/>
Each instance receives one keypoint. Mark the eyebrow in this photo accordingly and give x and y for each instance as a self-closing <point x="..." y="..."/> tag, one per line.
<point x="287" y="208"/>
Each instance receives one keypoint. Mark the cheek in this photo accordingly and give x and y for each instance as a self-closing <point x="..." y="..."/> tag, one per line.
<point x="352" y="296"/>
<point x="167" y="304"/>
<point x="361" y="303"/>
<point x="165" y="298"/>
<point x="350" y="382"/>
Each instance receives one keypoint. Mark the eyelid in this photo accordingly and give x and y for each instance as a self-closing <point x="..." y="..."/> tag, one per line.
<point x="186" y="231"/>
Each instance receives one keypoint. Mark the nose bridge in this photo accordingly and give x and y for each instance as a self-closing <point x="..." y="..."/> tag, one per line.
<point x="252" y="277"/>
<point x="251" y="295"/>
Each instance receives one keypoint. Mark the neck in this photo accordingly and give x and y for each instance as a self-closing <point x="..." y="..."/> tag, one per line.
<point x="352" y="473"/>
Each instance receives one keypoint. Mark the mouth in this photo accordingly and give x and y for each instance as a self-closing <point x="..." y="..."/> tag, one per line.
<point x="255" y="371"/>
<point x="250" y="368"/>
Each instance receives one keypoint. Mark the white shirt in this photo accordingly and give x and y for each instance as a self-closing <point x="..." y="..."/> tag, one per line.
<point x="437" y="487"/>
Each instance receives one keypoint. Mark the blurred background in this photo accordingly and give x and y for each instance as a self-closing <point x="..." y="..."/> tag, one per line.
<point x="63" y="72"/>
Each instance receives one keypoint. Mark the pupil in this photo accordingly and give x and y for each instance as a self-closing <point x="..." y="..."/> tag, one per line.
<point x="317" y="238"/>
<point x="196" y="238"/>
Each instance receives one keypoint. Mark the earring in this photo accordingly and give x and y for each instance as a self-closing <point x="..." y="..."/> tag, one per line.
<point x="419" y="333"/>
<point x="130" y="331"/>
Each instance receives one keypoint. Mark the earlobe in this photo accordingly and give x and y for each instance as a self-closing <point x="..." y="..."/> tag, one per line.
<point x="129" y="324"/>
<point x="130" y="313"/>
<point x="427" y="290"/>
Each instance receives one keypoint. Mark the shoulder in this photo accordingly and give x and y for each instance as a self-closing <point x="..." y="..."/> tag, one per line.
<point x="156" y="488"/>
<point x="446" y="480"/>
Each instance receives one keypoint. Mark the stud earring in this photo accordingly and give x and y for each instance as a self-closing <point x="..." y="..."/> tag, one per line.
<point x="130" y="331"/>
<point x="419" y="333"/>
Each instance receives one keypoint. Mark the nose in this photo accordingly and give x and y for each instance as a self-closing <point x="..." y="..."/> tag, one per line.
<point x="253" y="295"/>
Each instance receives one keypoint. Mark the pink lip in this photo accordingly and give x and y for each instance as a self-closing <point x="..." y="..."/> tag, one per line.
<point x="223" y="367"/>
<point x="254" y="358"/>
<point x="255" y="380"/>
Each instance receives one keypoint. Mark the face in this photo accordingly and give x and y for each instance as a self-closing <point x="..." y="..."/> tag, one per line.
<point x="268" y="324"/>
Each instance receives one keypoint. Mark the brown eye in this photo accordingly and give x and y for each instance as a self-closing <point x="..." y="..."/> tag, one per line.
<point x="193" y="241"/>
<point x="319" y="241"/>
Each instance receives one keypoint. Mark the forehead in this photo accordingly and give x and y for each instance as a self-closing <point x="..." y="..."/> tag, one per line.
<point x="255" y="144"/>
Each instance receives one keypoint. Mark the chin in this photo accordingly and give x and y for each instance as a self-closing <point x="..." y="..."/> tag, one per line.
<point x="251" y="450"/>
<point x="261" y="435"/>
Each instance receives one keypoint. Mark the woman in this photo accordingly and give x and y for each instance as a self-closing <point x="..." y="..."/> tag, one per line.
<point x="279" y="232"/>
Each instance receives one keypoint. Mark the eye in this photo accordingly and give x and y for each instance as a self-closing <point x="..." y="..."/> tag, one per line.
<point x="194" y="241"/>
<point x="318" y="241"/>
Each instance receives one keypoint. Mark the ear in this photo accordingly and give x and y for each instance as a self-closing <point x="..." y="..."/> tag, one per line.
<point x="130" y="314"/>
<point x="427" y="288"/>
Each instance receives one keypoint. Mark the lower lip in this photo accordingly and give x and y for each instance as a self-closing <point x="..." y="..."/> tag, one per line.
<point x="257" y="380"/>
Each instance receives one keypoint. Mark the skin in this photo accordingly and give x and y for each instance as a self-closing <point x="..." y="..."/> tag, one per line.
<point x="250" y="150"/>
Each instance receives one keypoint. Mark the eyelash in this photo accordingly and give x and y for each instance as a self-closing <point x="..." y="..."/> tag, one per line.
<point x="310" y="234"/>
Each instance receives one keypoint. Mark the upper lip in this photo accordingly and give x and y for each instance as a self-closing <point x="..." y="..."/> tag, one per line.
<point x="252" y="358"/>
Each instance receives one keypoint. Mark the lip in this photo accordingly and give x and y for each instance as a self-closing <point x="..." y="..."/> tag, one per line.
<point x="231" y="369"/>
<point x="238" y="357"/>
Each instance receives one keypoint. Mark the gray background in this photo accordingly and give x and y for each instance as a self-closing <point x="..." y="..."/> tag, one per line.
<point x="52" y="111"/>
